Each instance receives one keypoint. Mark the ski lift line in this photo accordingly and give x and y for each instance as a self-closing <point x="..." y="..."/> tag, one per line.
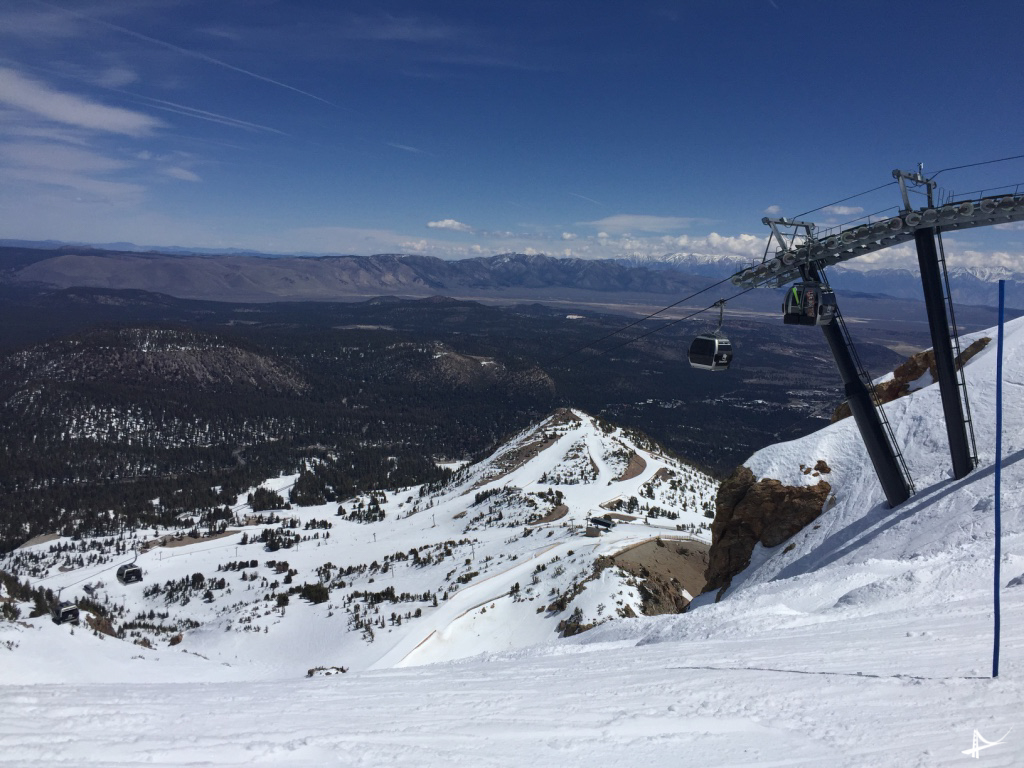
<point x="975" y="165"/>
<point x="889" y="184"/>
<point x="655" y="314"/>
<point x="93" y="575"/>
<point x="590" y="345"/>
<point x="666" y="325"/>
<point x="851" y="197"/>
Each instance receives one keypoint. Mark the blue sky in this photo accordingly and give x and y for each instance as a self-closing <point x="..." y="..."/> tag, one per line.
<point x="456" y="129"/>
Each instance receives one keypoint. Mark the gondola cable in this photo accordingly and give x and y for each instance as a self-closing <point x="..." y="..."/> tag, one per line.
<point x="601" y="353"/>
<point x="974" y="165"/>
<point x="590" y="345"/>
<point x="616" y="332"/>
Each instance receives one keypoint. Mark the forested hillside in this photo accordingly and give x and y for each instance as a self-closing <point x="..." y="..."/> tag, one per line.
<point x="123" y="406"/>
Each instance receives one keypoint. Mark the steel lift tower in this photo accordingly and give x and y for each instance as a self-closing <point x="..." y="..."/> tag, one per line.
<point x="803" y="256"/>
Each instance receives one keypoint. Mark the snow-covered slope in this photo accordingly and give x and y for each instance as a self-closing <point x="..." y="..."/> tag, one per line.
<point x="496" y="559"/>
<point x="867" y="643"/>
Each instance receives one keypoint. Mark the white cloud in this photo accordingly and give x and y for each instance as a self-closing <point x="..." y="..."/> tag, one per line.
<point x="452" y="224"/>
<point x="116" y="77"/>
<point x="57" y="157"/>
<point x="569" y="236"/>
<point x="88" y="190"/>
<point x="10" y="119"/>
<point x="402" y="29"/>
<point x="628" y="222"/>
<point x="182" y="174"/>
<point x="39" y="99"/>
<point x="751" y="246"/>
<point x="843" y="210"/>
<point x="36" y="25"/>
<point x="773" y="210"/>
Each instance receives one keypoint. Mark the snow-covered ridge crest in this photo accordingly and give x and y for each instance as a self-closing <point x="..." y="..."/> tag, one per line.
<point x="497" y="558"/>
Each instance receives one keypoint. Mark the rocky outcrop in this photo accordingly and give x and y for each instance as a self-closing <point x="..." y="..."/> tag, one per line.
<point x="913" y="369"/>
<point x="751" y="511"/>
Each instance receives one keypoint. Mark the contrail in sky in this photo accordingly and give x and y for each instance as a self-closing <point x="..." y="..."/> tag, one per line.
<point x="183" y="51"/>
<point x="202" y="114"/>
<point x="588" y="199"/>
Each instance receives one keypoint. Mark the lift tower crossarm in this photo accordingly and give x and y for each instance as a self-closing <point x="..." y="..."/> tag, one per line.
<point x="917" y="177"/>
<point x="862" y="239"/>
<point x="784" y="244"/>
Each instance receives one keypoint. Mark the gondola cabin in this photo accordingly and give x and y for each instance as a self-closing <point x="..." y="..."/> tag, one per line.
<point x="64" y="612"/>
<point x="129" y="573"/>
<point x="809" y="303"/>
<point x="710" y="352"/>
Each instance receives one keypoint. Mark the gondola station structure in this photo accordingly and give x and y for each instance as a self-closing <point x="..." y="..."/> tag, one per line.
<point x="799" y="261"/>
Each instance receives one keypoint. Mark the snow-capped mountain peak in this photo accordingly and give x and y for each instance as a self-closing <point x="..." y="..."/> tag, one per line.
<point x="499" y="557"/>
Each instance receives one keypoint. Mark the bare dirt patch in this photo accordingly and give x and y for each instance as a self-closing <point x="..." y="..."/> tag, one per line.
<point x="636" y="466"/>
<point x="40" y="539"/>
<point x="556" y="514"/>
<point x="513" y="460"/>
<point x="666" y="568"/>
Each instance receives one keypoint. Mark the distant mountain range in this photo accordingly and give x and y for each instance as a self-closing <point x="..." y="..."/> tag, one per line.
<point x="969" y="285"/>
<point x="248" y="277"/>
<point x="240" y="276"/>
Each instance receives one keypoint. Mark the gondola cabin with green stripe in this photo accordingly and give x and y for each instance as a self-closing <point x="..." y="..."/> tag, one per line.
<point x="809" y="303"/>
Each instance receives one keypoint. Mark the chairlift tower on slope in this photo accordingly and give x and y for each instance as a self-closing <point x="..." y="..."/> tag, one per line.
<point x="803" y="253"/>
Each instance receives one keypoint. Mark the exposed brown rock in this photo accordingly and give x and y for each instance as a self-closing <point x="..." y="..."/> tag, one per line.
<point x="750" y="511"/>
<point x="101" y="624"/>
<point x="665" y="567"/>
<point x="910" y="371"/>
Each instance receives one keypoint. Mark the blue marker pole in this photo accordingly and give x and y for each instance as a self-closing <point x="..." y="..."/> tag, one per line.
<point x="999" y="462"/>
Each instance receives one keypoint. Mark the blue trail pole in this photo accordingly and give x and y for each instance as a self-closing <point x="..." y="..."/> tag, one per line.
<point x="998" y="473"/>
